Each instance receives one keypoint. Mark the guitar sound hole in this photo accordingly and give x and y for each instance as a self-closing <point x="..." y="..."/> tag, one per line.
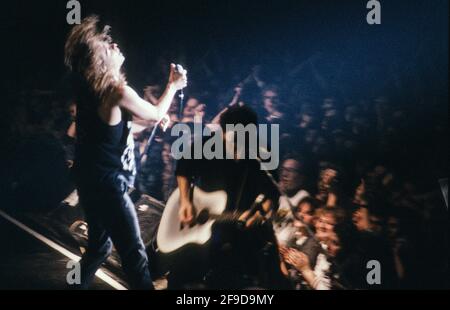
<point x="203" y="217"/>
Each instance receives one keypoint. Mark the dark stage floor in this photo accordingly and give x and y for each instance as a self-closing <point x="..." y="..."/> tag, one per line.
<point x="28" y="263"/>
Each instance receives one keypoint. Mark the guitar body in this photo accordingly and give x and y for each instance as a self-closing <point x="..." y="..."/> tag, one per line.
<point x="172" y="237"/>
<point x="185" y="253"/>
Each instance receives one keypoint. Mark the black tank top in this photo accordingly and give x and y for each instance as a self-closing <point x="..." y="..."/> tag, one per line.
<point x="103" y="152"/>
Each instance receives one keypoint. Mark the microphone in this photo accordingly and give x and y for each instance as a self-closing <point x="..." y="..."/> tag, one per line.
<point x="179" y="68"/>
<point x="255" y="207"/>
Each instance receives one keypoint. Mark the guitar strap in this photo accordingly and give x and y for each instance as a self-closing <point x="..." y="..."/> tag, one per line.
<point x="241" y="188"/>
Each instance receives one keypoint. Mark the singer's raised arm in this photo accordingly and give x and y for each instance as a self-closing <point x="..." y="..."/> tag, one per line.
<point x="144" y="110"/>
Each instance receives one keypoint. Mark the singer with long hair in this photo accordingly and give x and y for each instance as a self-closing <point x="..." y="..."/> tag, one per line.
<point x="104" y="162"/>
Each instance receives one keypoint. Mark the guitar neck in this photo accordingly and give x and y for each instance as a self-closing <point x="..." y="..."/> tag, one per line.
<point x="225" y="217"/>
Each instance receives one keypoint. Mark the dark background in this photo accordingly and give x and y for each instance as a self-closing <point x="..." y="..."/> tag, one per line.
<point x="411" y="33"/>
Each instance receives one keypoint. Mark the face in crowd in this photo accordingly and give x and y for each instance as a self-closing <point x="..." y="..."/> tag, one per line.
<point x="305" y="211"/>
<point x="324" y="226"/>
<point x="291" y="176"/>
<point x="270" y="101"/>
<point x="193" y="109"/>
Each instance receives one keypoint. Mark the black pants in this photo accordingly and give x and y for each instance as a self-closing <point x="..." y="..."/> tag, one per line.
<point x="234" y="258"/>
<point x="112" y="219"/>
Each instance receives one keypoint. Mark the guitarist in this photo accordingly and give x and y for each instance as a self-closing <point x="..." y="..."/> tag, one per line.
<point x="243" y="181"/>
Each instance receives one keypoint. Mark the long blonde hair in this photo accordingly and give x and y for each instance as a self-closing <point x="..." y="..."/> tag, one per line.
<point x="85" y="55"/>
